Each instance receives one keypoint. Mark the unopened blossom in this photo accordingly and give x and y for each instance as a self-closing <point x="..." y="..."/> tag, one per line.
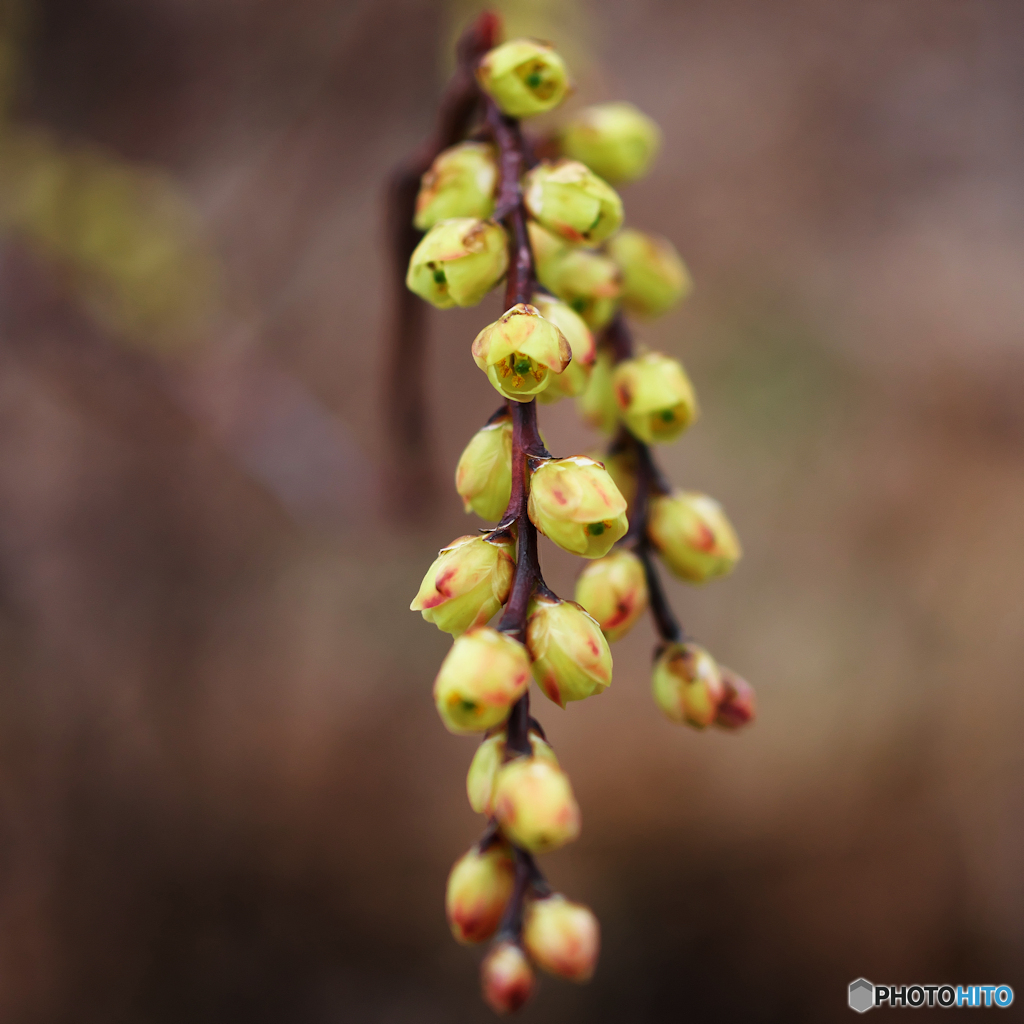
<point x="654" y="278"/>
<point x="487" y="761"/>
<point x="569" y="653"/>
<point x="613" y="590"/>
<point x="483" y="477"/>
<point x="562" y="937"/>
<point x="586" y="280"/>
<point x="479" y="887"/>
<point x="506" y="978"/>
<point x="535" y="806"/>
<point x="693" y="536"/>
<point x="655" y="397"/>
<point x="458" y="262"/>
<point x="739" y="705"/>
<point x="461" y="182"/>
<point x="687" y="684"/>
<point x="615" y="140"/>
<point x="568" y="198"/>
<point x="524" y="77"/>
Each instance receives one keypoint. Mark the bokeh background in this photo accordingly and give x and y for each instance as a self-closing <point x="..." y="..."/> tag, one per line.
<point x="224" y="792"/>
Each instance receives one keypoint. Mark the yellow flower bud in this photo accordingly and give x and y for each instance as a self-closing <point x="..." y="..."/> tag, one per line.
<point x="587" y="281"/>
<point x="693" y="536"/>
<point x="506" y="978"/>
<point x="569" y="199"/>
<point x="655" y="397"/>
<point x="597" y="405"/>
<point x="535" y="806"/>
<point x="488" y="759"/>
<point x="479" y="888"/>
<point x="576" y="503"/>
<point x="570" y="655"/>
<point x="572" y="381"/>
<point x="739" y="706"/>
<point x="613" y="590"/>
<point x="524" y="77"/>
<point x="468" y="582"/>
<point x="483" y="675"/>
<point x="458" y="262"/>
<point x="687" y="684"/>
<point x="461" y="182"/>
<point x="520" y="352"/>
<point x="615" y="139"/>
<point x="483" y="476"/>
<point x="654" y="278"/>
<point x="562" y="937"/>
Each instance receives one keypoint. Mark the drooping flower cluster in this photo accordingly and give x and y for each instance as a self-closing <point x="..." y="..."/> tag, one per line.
<point x="553" y="230"/>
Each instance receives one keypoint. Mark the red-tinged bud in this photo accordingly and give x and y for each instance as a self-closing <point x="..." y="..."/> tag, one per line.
<point x="535" y="805"/>
<point x="568" y="198"/>
<point x="506" y="978"/>
<point x="570" y="655"/>
<point x="563" y="938"/>
<point x="687" y="685"/>
<point x="693" y="536"/>
<point x="739" y="706"/>
<point x="587" y="281"/>
<point x="487" y="761"/>
<point x="613" y="590"/>
<point x="655" y="397"/>
<point x="479" y="888"/>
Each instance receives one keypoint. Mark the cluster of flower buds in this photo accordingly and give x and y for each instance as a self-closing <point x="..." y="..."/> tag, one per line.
<point x="554" y="230"/>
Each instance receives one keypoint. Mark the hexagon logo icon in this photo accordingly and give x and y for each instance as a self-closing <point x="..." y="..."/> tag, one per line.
<point x="862" y="995"/>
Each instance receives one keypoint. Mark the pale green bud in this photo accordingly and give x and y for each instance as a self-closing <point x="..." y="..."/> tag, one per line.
<point x="483" y="675"/>
<point x="506" y="978"/>
<point x="693" y="536"/>
<point x="568" y="198"/>
<point x="562" y="937"/>
<point x="468" y="582"/>
<point x="520" y="352"/>
<point x="575" y="503"/>
<point x="489" y="757"/>
<point x="739" y="706"/>
<point x="524" y="77"/>
<point x="615" y="139"/>
<point x="570" y="655"/>
<point x="597" y="405"/>
<point x="461" y="182"/>
<point x="535" y="806"/>
<point x="587" y="281"/>
<point x="483" y="476"/>
<point x="654" y="278"/>
<point x="479" y="887"/>
<point x="655" y="397"/>
<point x="687" y="684"/>
<point x="613" y="590"/>
<point x="573" y="380"/>
<point x="458" y="262"/>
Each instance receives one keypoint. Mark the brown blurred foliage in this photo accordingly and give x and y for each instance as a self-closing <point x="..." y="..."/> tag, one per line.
<point x="224" y="792"/>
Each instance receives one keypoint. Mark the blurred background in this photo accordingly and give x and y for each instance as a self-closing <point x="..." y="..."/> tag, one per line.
<point x="224" y="791"/>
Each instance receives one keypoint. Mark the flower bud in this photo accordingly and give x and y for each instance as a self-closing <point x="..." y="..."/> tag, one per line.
<point x="655" y="397"/>
<point x="570" y="655"/>
<point x="506" y="978"/>
<point x="479" y="888"/>
<point x="535" y="806"/>
<point x="587" y="281"/>
<point x="739" y="706"/>
<point x="483" y="476"/>
<point x="572" y="381"/>
<point x="483" y="675"/>
<point x="458" y="262"/>
<point x="460" y="183"/>
<point x="520" y="352"/>
<point x="468" y="582"/>
<point x="575" y="503"/>
<point x="687" y="684"/>
<point x="614" y="139"/>
<point x="654" y="278"/>
<point x="563" y="938"/>
<point x="488" y="759"/>
<point x="546" y="248"/>
<point x="569" y="199"/>
<point x="693" y="536"/>
<point x="524" y="77"/>
<point x="613" y="590"/>
<point x="597" y="405"/>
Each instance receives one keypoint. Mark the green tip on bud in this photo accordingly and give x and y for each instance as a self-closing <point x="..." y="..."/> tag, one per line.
<point x="479" y="887"/>
<point x="458" y="262"/>
<point x="573" y="380"/>
<point x="586" y="281"/>
<point x="506" y="978"/>
<point x="535" y="806"/>
<point x="524" y="77"/>
<point x="488" y="759"/>
<point x="613" y="590"/>
<point x="467" y="583"/>
<point x="483" y="476"/>
<point x="482" y="676"/>
<point x="693" y="536"/>
<point x="570" y="655"/>
<point x="655" y="397"/>
<point x="687" y="685"/>
<point x="654" y="278"/>
<point x="616" y="140"/>
<point x="461" y="182"/>
<point x="739" y="706"/>
<point x="567" y="198"/>
<point x="576" y="503"/>
<point x="562" y="937"/>
<point x="597" y="405"/>
<point x="521" y="352"/>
